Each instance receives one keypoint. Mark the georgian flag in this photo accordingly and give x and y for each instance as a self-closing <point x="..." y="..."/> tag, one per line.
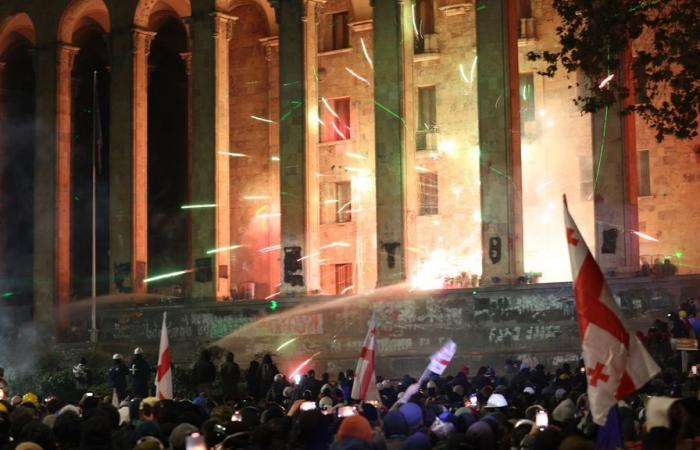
<point x="364" y="387"/>
<point x="617" y="364"/>
<point x="164" y="376"/>
<point x="440" y="360"/>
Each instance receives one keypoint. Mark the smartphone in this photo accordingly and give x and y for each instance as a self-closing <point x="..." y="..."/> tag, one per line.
<point x="195" y="441"/>
<point x="346" y="411"/>
<point x="694" y="370"/>
<point x="542" y="420"/>
<point x="583" y="370"/>
<point x="297" y="378"/>
<point x="89" y="394"/>
<point x="473" y="400"/>
<point x="308" y="406"/>
<point x="236" y="417"/>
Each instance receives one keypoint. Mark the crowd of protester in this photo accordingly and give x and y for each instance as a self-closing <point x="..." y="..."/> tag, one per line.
<point x="517" y="407"/>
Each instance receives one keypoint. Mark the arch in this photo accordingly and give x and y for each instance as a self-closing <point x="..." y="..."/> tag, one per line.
<point x="229" y="6"/>
<point x="149" y="13"/>
<point x="362" y="10"/>
<point x="80" y="14"/>
<point x="17" y="26"/>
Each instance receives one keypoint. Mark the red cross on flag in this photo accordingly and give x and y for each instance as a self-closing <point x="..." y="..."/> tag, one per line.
<point x="164" y="376"/>
<point x="364" y="387"/>
<point x="617" y="364"/>
<point x="440" y="360"/>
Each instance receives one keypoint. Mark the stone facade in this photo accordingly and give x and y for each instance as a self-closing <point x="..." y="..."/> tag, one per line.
<point x="424" y="186"/>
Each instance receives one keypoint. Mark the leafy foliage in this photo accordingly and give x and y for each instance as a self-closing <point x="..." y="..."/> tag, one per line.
<point x="596" y="34"/>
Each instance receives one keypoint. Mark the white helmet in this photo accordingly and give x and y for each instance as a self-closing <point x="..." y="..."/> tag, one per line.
<point x="116" y="356"/>
<point x="138" y="351"/>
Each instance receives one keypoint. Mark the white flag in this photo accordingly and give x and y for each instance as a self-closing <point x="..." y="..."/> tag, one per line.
<point x="164" y="376"/>
<point x="440" y="360"/>
<point x="364" y="387"/>
<point x="617" y="364"/>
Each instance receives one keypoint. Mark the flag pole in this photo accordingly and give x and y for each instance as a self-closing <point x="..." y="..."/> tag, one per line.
<point x="93" y="299"/>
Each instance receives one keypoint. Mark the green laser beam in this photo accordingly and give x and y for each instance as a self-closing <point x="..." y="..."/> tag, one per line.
<point x="390" y="112"/>
<point x="204" y="205"/>
<point x="167" y="275"/>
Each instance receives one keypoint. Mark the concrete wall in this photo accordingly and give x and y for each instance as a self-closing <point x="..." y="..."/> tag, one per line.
<point x="489" y="325"/>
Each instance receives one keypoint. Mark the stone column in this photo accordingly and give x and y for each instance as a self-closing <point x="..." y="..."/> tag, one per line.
<point x="313" y="197"/>
<point x="186" y="58"/>
<point x="393" y="119"/>
<point x="45" y="59"/>
<point x="3" y="128"/>
<point x="499" y="141"/>
<point x="139" y="179"/>
<point x="64" y="136"/>
<point x="273" y="259"/>
<point x="292" y="141"/>
<point x="223" y="33"/>
<point x="122" y="127"/>
<point x="210" y="36"/>
<point x="615" y="196"/>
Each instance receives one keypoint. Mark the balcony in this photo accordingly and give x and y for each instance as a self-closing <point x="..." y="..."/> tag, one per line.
<point x="527" y="34"/>
<point x="427" y="140"/>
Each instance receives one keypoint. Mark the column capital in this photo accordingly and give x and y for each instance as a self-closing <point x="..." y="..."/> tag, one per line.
<point x="142" y="40"/>
<point x="270" y="43"/>
<point x="66" y="54"/>
<point x="223" y="25"/>
<point x="187" y="59"/>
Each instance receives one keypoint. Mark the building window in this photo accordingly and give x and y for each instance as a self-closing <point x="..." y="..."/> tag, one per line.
<point x="424" y="25"/>
<point x="343" y="279"/>
<point x="428" y="188"/>
<point x="335" y="119"/>
<point x="525" y="9"/>
<point x="527" y="97"/>
<point x="426" y="127"/>
<point x="643" y="174"/>
<point x="585" y="170"/>
<point x="334" y="32"/>
<point x="336" y="202"/>
<point x="525" y="20"/>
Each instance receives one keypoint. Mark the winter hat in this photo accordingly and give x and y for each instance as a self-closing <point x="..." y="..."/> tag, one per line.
<point x="417" y="441"/>
<point x="355" y="427"/>
<point x="28" y="446"/>
<point x="657" y="412"/>
<point x="148" y="443"/>
<point x="413" y="415"/>
<point x="564" y="412"/>
<point x="67" y="408"/>
<point x="496" y="401"/>
<point x="148" y="428"/>
<point x="559" y="394"/>
<point x="370" y="413"/>
<point x="529" y="390"/>
<point x="287" y="392"/>
<point x="178" y="437"/>
<point x="325" y="403"/>
<point x="395" y="424"/>
<point x="459" y="390"/>
<point x="431" y="385"/>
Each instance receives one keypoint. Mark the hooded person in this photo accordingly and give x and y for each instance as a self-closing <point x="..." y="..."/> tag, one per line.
<point x="665" y="422"/>
<point x="266" y="375"/>
<point x="354" y="433"/>
<point x="140" y="373"/>
<point x="395" y="429"/>
<point x="204" y="372"/>
<point x="230" y="374"/>
<point x="565" y="412"/>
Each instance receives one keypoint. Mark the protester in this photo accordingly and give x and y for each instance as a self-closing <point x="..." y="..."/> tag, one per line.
<point x="230" y="375"/>
<point x="140" y="374"/>
<point x="117" y="376"/>
<point x="82" y="375"/>
<point x="204" y="372"/>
